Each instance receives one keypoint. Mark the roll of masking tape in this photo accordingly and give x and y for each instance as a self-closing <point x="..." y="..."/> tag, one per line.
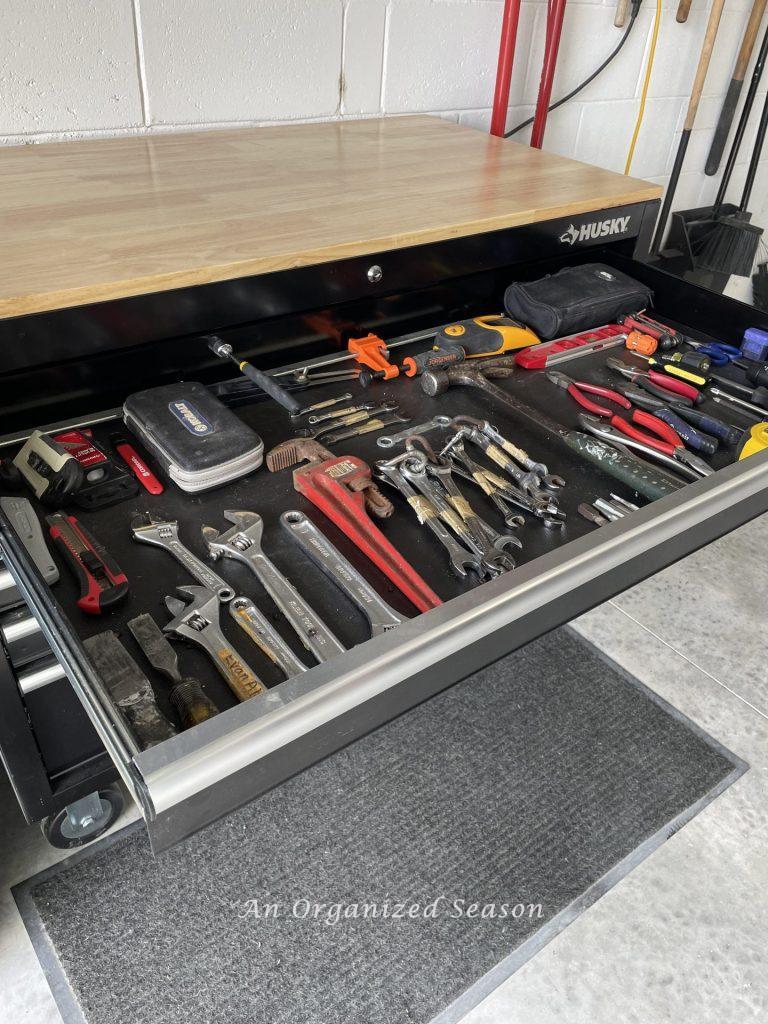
<point x="755" y="441"/>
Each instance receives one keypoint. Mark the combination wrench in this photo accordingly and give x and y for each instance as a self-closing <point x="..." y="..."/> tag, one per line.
<point x="428" y="515"/>
<point x="196" y="620"/>
<point x="313" y="542"/>
<point x="390" y="440"/>
<point x="243" y="543"/>
<point x="165" y="534"/>
<point x="453" y="508"/>
<point x="261" y="631"/>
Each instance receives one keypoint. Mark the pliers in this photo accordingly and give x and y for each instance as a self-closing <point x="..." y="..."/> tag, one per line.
<point x="662" y="436"/>
<point x="659" y="384"/>
<point x="676" y="456"/>
<point x="683" y="421"/>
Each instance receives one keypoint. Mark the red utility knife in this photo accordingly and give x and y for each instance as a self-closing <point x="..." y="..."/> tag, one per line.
<point x="102" y="581"/>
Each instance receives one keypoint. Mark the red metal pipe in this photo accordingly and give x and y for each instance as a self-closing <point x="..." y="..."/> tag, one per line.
<point x="555" y="16"/>
<point x="509" y="23"/>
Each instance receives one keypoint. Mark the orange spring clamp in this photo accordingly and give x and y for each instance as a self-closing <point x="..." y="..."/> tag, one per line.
<point x="371" y="351"/>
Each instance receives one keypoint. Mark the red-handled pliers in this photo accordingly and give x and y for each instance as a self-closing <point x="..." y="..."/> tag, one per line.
<point x="662" y="437"/>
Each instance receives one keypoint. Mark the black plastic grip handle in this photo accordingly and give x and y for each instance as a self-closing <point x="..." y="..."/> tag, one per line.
<point x="692" y="437"/>
<point x="270" y="387"/>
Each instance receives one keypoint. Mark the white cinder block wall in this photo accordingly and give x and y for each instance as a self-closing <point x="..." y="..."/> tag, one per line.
<point x="75" y="68"/>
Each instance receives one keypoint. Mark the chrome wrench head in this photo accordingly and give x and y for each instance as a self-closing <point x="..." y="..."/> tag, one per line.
<point x="165" y="534"/>
<point x="192" y="616"/>
<point x="390" y="440"/>
<point x="243" y="538"/>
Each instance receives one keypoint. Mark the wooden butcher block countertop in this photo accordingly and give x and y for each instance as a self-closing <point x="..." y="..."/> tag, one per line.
<point x="104" y="219"/>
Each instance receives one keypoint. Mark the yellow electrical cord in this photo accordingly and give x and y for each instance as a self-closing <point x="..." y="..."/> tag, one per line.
<point x="646" y="83"/>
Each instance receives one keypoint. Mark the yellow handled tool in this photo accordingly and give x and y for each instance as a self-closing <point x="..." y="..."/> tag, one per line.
<point x="485" y="336"/>
<point x="755" y="441"/>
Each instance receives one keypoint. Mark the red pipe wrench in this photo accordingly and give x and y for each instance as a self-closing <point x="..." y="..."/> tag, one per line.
<point x="337" y="487"/>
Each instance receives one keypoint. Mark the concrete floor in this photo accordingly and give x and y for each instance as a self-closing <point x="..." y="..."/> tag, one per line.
<point x="683" y="937"/>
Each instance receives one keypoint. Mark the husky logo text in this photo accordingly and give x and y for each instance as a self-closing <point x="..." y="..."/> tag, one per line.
<point x="595" y="229"/>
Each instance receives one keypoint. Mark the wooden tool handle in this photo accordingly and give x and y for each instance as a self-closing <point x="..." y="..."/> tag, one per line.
<point x="706" y="55"/>
<point x="683" y="10"/>
<point x="748" y="42"/>
<point x="622" y="10"/>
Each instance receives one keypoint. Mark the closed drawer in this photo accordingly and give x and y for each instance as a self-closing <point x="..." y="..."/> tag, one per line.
<point x="197" y="776"/>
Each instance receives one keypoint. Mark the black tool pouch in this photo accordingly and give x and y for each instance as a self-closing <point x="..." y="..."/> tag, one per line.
<point x="575" y="299"/>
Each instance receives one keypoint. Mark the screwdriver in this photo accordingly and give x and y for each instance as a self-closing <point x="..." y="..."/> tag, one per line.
<point x="674" y="371"/>
<point x="757" y="373"/>
<point x="758" y="396"/>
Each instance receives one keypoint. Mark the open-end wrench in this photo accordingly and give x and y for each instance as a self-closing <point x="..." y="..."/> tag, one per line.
<point x="365" y="428"/>
<point x="165" y="534"/>
<point x="428" y="515"/>
<point x="243" y="543"/>
<point x="322" y="405"/>
<point x="348" y="420"/>
<point x="539" y="503"/>
<point x="196" y="620"/>
<point x="265" y="636"/>
<point x="547" y="479"/>
<point x="371" y="407"/>
<point x="319" y="549"/>
<point x="390" y="440"/>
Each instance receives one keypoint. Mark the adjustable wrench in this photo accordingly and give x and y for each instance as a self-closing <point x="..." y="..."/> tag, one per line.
<point x="428" y="515"/>
<point x="165" y="534"/>
<point x="390" y="440"/>
<point x="243" y="543"/>
<point x="265" y="636"/>
<point x="198" y="623"/>
<point x="316" y="546"/>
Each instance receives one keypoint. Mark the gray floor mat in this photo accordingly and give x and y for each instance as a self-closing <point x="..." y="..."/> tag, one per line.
<point x="538" y="782"/>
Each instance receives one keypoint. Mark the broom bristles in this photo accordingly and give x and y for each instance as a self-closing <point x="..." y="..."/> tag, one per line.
<point x="730" y="248"/>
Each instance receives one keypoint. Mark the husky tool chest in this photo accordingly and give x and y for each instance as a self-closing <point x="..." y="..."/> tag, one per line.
<point x="146" y="248"/>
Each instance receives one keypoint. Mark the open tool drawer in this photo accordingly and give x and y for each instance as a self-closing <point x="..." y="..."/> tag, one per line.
<point x="199" y="775"/>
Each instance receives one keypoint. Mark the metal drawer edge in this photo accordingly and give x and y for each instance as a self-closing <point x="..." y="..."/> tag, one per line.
<point x="199" y="776"/>
<point x="68" y="650"/>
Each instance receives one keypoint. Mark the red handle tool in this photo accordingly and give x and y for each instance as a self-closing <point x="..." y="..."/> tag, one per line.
<point x="140" y="469"/>
<point x="662" y="436"/>
<point x="336" y="487"/>
<point x="102" y="581"/>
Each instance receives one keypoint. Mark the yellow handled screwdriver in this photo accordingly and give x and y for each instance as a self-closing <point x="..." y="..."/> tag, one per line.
<point x="673" y="370"/>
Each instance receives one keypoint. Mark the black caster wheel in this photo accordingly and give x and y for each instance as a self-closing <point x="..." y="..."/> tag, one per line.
<point x="84" y="820"/>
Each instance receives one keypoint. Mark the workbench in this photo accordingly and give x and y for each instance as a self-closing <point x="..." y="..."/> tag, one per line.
<point x="121" y="255"/>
